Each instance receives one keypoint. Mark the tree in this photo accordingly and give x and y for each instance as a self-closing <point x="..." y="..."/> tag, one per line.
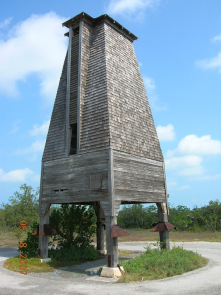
<point x="137" y="216"/>
<point x="75" y="225"/>
<point x="181" y="217"/>
<point x="208" y="217"/>
<point x="22" y="206"/>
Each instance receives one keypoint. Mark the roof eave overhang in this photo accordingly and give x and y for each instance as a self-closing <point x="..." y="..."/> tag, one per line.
<point x="73" y="22"/>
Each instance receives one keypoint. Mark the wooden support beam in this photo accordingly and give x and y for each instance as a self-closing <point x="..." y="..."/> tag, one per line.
<point x="111" y="243"/>
<point x="43" y="240"/>
<point x="163" y="217"/>
<point x="111" y="217"/>
<point x="100" y="228"/>
<point x="68" y="128"/>
<point x="79" y="88"/>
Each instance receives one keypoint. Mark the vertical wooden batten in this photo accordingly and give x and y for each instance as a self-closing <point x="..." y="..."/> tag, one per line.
<point x="79" y="88"/>
<point x="111" y="182"/>
<point x="164" y="174"/>
<point x="68" y="128"/>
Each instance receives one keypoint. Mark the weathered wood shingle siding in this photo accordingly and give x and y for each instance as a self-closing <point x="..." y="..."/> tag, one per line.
<point x="94" y="109"/>
<point x="56" y="138"/>
<point x="115" y="119"/>
<point x="74" y="79"/>
<point x="132" y="128"/>
<point x="138" y="179"/>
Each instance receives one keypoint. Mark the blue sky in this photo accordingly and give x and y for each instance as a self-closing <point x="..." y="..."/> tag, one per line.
<point x="179" y="52"/>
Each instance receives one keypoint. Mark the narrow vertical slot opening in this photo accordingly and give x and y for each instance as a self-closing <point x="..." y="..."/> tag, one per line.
<point x="76" y="31"/>
<point x="73" y="147"/>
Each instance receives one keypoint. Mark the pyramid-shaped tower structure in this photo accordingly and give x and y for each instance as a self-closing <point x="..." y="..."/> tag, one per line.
<point x="102" y="147"/>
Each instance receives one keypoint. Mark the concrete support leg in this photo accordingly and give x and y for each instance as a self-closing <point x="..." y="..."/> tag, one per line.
<point x="111" y="243"/>
<point x="43" y="240"/>
<point x="163" y="217"/>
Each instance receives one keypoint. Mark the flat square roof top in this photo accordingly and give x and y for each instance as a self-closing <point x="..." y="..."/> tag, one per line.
<point x="98" y="20"/>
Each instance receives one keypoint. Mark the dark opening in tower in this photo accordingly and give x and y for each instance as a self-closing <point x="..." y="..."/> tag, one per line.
<point x="73" y="148"/>
<point x="76" y="31"/>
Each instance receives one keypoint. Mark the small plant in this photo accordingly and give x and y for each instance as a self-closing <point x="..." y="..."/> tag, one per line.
<point x="32" y="243"/>
<point x="159" y="264"/>
<point x="72" y="254"/>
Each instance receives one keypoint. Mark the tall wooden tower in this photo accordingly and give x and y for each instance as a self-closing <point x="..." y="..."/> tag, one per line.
<point x="102" y="147"/>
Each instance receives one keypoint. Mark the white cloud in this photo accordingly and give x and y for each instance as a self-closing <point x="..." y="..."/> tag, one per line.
<point x="180" y="162"/>
<point x="186" y="166"/>
<point x="36" y="147"/>
<point x="210" y="177"/>
<point x="36" y="45"/>
<point x="166" y="133"/>
<point x="5" y="23"/>
<point x="15" y="127"/>
<point x="217" y="38"/>
<point x="194" y="145"/>
<point x="211" y="63"/>
<point x="185" y="187"/>
<point x="149" y="83"/>
<point x="40" y="130"/>
<point x="130" y="6"/>
<point x="15" y="175"/>
<point x="36" y="177"/>
<point x="193" y="148"/>
<point x="150" y="87"/>
<point x="192" y="171"/>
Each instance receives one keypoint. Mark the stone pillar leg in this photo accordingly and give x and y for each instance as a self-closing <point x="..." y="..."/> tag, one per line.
<point x="163" y="217"/>
<point x="111" y="243"/>
<point x="43" y="240"/>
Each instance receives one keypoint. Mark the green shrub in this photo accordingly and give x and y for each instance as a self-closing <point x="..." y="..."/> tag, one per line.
<point x="75" y="225"/>
<point x="73" y="254"/>
<point x="32" y="243"/>
<point x="158" y="264"/>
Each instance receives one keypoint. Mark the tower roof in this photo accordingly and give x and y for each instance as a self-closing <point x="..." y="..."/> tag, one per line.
<point x="74" y="21"/>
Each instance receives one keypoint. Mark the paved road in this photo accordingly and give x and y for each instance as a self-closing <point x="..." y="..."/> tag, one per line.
<point x="205" y="281"/>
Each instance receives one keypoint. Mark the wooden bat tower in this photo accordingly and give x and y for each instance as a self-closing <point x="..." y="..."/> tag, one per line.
<point x="102" y="147"/>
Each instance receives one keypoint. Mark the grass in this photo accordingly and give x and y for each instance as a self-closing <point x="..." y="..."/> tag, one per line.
<point x="124" y="253"/>
<point x="8" y="238"/>
<point x="33" y="265"/>
<point x="61" y="257"/>
<point x="175" y="236"/>
<point x="158" y="264"/>
<point x="154" y="264"/>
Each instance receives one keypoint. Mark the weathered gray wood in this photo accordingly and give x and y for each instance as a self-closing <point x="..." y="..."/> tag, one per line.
<point x="137" y="178"/>
<point x="100" y="228"/>
<point x="164" y="173"/>
<point x="79" y="89"/>
<point x="68" y="128"/>
<point x="43" y="240"/>
<point x="118" y="159"/>
<point x="163" y="217"/>
<point x="111" y="183"/>
<point x="111" y="243"/>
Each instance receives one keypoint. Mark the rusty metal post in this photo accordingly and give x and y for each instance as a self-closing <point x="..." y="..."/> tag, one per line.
<point x="163" y="217"/>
